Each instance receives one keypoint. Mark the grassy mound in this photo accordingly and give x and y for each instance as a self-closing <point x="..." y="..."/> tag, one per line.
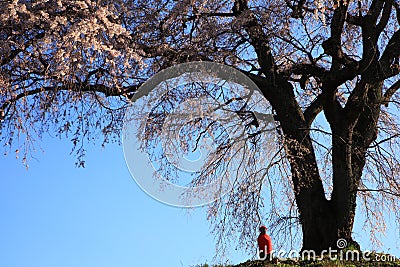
<point x="385" y="260"/>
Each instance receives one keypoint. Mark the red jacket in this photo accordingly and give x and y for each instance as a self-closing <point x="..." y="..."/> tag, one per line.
<point x="264" y="243"/>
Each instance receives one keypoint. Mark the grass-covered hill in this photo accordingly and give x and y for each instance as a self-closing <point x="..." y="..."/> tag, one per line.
<point x="390" y="261"/>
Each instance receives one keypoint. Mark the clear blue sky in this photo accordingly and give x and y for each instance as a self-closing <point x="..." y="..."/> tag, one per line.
<point x="57" y="215"/>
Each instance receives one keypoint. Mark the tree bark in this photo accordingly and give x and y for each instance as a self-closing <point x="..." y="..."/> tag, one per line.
<point x="316" y="214"/>
<point x="324" y="220"/>
<point x="354" y="126"/>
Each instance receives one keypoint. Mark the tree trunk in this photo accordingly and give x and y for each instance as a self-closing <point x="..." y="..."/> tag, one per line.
<point x="324" y="220"/>
<point x="317" y="215"/>
<point x="318" y="225"/>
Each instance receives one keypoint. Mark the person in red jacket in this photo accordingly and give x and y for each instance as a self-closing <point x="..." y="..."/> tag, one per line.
<point x="264" y="244"/>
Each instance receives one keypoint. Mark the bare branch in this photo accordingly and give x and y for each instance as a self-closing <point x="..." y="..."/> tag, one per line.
<point x="258" y="38"/>
<point x="381" y="190"/>
<point x="390" y="54"/>
<point x="390" y="92"/>
<point x="355" y="20"/>
<point x="78" y="87"/>
<point x="387" y="9"/>
<point x="314" y="109"/>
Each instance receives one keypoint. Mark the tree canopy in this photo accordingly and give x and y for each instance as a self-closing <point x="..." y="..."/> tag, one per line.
<point x="69" y="68"/>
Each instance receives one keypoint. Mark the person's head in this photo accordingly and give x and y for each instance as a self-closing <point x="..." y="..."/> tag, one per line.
<point x="263" y="230"/>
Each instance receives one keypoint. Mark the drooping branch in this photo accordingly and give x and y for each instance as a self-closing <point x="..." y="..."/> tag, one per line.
<point x="384" y="140"/>
<point x="5" y="59"/>
<point x="380" y="190"/>
<point x="148" y="36"/>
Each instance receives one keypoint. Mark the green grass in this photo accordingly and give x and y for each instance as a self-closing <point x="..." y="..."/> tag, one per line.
<point x="319" y="263"/>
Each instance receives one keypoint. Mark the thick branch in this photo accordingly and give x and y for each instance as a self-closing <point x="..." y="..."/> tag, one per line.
<point x="371" y="30"/>
<point x="356" y="102"/>
<point x="258" y="38"/>
<point x="390" y="92"/>
<point x="314" y="109"/>
<point x="310" y="70"/>
<point x="332" y="46"/>
<point x="355" y="20"/>
<point x="375" y="10"/>
<point x="390" y="54"/>
<point x="387" y="9"/>
<point x="397" y="7"/>
<point x="211" y="14"/>
<point x="78" y="87"/>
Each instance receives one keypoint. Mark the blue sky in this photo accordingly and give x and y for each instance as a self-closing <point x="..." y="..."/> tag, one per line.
<point x="55" y="214"/>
